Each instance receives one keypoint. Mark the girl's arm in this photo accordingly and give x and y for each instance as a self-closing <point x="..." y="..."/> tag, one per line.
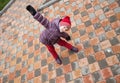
<point x="65" y="36"/>
<point x="44" y="21"/>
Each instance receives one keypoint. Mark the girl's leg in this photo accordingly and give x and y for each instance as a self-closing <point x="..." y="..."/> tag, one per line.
<point x="65" y="44"/>
<point x="52" y="51"/>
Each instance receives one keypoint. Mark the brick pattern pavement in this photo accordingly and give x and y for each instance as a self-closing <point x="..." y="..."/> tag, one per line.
<point x="95" y="31"/>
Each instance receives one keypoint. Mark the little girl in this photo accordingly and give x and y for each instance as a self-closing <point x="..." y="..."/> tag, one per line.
<point x="53" y="32"/>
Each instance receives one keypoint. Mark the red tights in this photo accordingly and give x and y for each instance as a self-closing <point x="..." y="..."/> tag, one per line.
<point x="61" y="43"/>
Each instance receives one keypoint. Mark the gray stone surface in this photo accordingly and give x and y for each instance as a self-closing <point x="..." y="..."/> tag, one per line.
<point x="85" y="70"/>
<point x="59" y="72"/>
<point x="107" y="28"/>
<point x="111" y="80"/>
<point x="79" y="80"/>
<point x="84" y="13"/>
<point x="68" y="11"/>
<point x="11" y="81"/>
<point x="23" y="78"/>
<point x="77" y="41"/>
<point x="97" y="76"/>
<point x="92" y="15"/>
<point x="86" y="44"/>
<point x="62" y="48"/>
<point x="65" y="61"/>
<point x="91" y="59"/>
<point x="102" y="63"/>
<point x="96" y="48"/>
<point x="43" y="49"/>
<point x="88" y="6"/>
<point x="5" y="79"/>
<point x="108" y="52"/>
<point x="25" y="52"/>
<point x="37" y="58"/>
<point x="75" y="65"/>
<point x="51" y="66"/>
<point x="12" y="69"/>
<point x="102" y="37"/>
<point x="82" y="32"/>
<point x="73" y="4"/>
<point x="118" y="56"/>
<point x="52" y="81"/>
<point x="68" y="77"/>
<point x="74" y="29"/>
<point x="31" y="81"/>
<point x="97" y="25"/>
<point x="88" y="23"/>
<point x="24" y="63"/>
<point x="112" y="19"/>
<point x="7" y="64"/>
<point x="81" y="5"/>
<point x="78" y="21"/>
<point x="117" y="10"/>
<point x="111" y="1"/>
<point x="18" y="60"/>
<point x="2" y="61"/>
<point x="31" y="55"/>
<point x="117" y="30"/>
<point x="102" y="16"/>
<point x="106" y="9"/>
<point x="37" y="46"/>
<point x="92" y="34"/>
<point x="30" y="67"/>
<point x="62" y="9"/>
<point x="1" y="74"/>
<point x="37" y="72"/>
<point x="13" y="57"/>
<point x="81" y="54"/>
<point x="101" y="1"/>
<point x="17" y="73"/>
<point x="76" y="12"/>
<point x="43" y="62"/>
<point x="44" y="77"/>
<point x="115" y="69"/>
<point x="114" y="41"/>
<point x="30" y="44"/>
<point x="67" y="2"/>
<point x="97" y="7"/>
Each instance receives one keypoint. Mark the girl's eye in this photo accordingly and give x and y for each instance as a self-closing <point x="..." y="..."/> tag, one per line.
<point x="65" y="28"/>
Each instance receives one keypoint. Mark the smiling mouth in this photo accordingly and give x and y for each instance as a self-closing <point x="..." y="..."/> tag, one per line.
<point x="66" y="29"/>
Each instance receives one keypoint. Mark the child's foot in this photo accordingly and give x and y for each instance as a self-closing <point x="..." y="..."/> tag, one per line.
<point x="58" y="60"/>
<point x="74" y="49"/>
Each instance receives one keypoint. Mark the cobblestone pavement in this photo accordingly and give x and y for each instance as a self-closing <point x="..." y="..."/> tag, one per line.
<point x="95" y="31"/>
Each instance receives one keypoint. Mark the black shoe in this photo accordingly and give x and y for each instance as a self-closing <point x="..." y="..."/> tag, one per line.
<point x="31" y="10"/>
<point x="74" y="49"/>
<point x="58" y="60"/>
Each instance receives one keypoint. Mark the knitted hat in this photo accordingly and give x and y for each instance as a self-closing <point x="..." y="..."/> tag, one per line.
<point x="65" y="21"/>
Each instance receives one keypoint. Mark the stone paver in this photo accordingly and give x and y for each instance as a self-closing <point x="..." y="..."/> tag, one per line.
<point x="95" y="31"/>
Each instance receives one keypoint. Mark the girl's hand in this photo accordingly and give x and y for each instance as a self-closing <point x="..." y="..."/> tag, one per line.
<point x="68" y="38"/>
<point x="31" y="10"/>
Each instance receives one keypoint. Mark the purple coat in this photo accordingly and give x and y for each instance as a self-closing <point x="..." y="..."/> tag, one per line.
<point x="52" y="33"/>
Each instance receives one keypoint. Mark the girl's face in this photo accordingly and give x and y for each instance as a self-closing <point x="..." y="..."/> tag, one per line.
<point x="64" y="28"/>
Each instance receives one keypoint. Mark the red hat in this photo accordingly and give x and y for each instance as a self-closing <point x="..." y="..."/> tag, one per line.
<point x="65" y="21"/>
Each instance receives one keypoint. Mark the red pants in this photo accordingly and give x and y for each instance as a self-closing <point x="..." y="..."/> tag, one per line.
<point x="61" y="43"/>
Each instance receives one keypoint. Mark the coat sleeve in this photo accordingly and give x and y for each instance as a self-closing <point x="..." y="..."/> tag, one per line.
<point x="44" y="21"/>
<point x="64" y="35"/>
